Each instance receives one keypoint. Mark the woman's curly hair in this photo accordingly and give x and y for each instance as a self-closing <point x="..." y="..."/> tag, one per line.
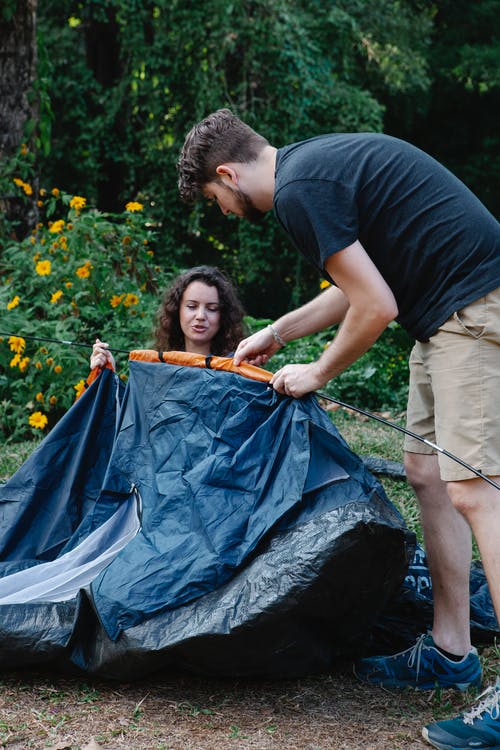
<point x="168" y="335"/>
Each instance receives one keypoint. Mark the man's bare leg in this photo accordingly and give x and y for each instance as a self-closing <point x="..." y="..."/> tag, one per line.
<point x="448" y="547"/>
<point x="479" y="503"/>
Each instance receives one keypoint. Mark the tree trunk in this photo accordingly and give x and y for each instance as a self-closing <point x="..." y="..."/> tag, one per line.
<point x="18" y="57"/>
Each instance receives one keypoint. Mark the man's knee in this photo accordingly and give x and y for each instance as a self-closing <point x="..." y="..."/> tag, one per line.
<point x="420" y="469"/>
<point x="473" y="496"/>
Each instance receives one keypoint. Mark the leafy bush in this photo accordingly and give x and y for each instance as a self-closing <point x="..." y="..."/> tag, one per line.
<point x="80" y="274"/>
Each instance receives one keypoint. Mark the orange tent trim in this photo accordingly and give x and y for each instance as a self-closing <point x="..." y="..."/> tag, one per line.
<point x="191" y="360"/>
<point x="198" y="360"/>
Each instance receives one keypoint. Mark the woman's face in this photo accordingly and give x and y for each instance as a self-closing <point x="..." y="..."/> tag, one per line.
<point x="199" y="316"/>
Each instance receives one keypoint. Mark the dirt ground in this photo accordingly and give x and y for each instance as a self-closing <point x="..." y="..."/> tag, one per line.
<point x="179" y="712"/>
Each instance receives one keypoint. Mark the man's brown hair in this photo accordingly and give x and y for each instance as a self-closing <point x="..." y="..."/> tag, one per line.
<point x="218" y="139"/>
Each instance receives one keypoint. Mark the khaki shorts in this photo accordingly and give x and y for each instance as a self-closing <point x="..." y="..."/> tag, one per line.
<point x="454" y="396"/>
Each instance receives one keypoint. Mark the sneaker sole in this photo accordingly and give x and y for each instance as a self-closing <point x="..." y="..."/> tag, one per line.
<point x="425" y="735"/>
<point x="461" y="686"/>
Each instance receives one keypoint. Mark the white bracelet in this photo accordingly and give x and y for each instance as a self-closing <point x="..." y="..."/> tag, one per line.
<point x="279" y="340"/>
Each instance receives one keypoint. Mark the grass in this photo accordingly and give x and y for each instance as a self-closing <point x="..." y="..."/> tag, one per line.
<point x="12" y="455"/>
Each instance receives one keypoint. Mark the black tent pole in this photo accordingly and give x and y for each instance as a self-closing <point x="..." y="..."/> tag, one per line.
<point x="61" y="341"/>
<point x="413" y="435"/>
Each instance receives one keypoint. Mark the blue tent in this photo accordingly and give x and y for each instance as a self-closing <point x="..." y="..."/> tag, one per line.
<point x="197" y="520"/>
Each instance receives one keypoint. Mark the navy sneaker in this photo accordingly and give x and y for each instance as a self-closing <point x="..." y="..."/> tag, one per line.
<point x="422" y="667"/>
<point x="478" y="729"/>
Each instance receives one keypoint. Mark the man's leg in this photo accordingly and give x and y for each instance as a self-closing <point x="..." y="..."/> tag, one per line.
<point x="447" y="541"/>
<point x="479" y="503"/>
<point x="479" y="728"/>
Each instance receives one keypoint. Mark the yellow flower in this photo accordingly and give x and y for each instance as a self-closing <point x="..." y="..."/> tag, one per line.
<point x="55" y="192"/>
<point x="126" y="240"/>
<point x="68" y="284"/>
<point x="58" y="369"/>
<point x="56" y="296"/>
<point x="38" y="420"/>
<point x="42" y="192"/>
<point x="77" y="202"/>
<point x="57" y="226"/>
<point x="44" y="350"/>
<point x="79" y="388"/>
<point x="27" y="188"/>
<point x="53" y="400"/>
<point x="13" y="303"/>
<point x="50" y="361"/>
<point x="39" y="397"/>
<point x="17" y="344"/>
<point x="130" y="299"/>
<point x="15" y="360"/>
<point x="23" y="364"/>
<point x="24" y="149"/>
<point x="116" y="299"/>
<point x="324" y="284"/>
<point x="83" y="272"/>
<point x="133" y="206"/>
<point x="38" y="365"/>
<point x="43" y="267"/>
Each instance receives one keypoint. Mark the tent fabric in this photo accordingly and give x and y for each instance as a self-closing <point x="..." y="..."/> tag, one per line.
<point x="250" y="540"/>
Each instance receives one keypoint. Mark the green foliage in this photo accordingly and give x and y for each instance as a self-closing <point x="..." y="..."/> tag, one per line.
<point x="80" y="274"/>
<point x="8" y="10"/>
<point x="13" y="200"/>
<point x="126" y="81"/>
<point x="455" y="119"/>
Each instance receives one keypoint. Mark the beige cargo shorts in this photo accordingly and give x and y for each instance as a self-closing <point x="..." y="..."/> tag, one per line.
<point x="454" y="394"/>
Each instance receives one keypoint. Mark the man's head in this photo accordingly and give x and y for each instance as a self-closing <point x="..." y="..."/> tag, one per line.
<point x="220" y="139"/>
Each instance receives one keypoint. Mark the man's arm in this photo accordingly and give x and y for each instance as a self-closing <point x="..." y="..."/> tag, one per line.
<point x="371" y="307"/>
<point x="323" y="311"/>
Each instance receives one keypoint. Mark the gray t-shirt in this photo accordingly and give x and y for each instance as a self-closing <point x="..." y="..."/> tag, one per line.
<point x="433" y="241"/>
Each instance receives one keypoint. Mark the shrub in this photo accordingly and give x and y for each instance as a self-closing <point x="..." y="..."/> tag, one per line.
<point x="80" y="274"/>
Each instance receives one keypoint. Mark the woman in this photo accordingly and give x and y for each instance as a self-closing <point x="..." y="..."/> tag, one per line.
<point x="200" y="313"/>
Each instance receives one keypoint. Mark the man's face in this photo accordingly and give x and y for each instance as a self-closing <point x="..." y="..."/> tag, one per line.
<point x="231" y="200"/>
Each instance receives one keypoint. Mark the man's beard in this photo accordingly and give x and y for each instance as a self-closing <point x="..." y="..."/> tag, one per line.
<point x="248" y="209"/>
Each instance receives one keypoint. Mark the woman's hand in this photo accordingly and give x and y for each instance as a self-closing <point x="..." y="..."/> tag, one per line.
<point x="101" y="356"/>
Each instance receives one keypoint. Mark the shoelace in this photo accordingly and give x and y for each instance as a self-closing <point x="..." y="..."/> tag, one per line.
<point x="490" y="705"/>
<point x="416" y="653"/>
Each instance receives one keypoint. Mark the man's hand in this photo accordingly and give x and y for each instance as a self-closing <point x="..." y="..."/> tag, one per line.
<point x="256" y="349"/>
<point x="297" y="380"/>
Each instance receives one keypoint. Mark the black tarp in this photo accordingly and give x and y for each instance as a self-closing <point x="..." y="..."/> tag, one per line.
<point x="199" y="521"/>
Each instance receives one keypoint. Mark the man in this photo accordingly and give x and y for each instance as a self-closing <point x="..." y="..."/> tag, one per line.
<point x="400" y="238"/>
